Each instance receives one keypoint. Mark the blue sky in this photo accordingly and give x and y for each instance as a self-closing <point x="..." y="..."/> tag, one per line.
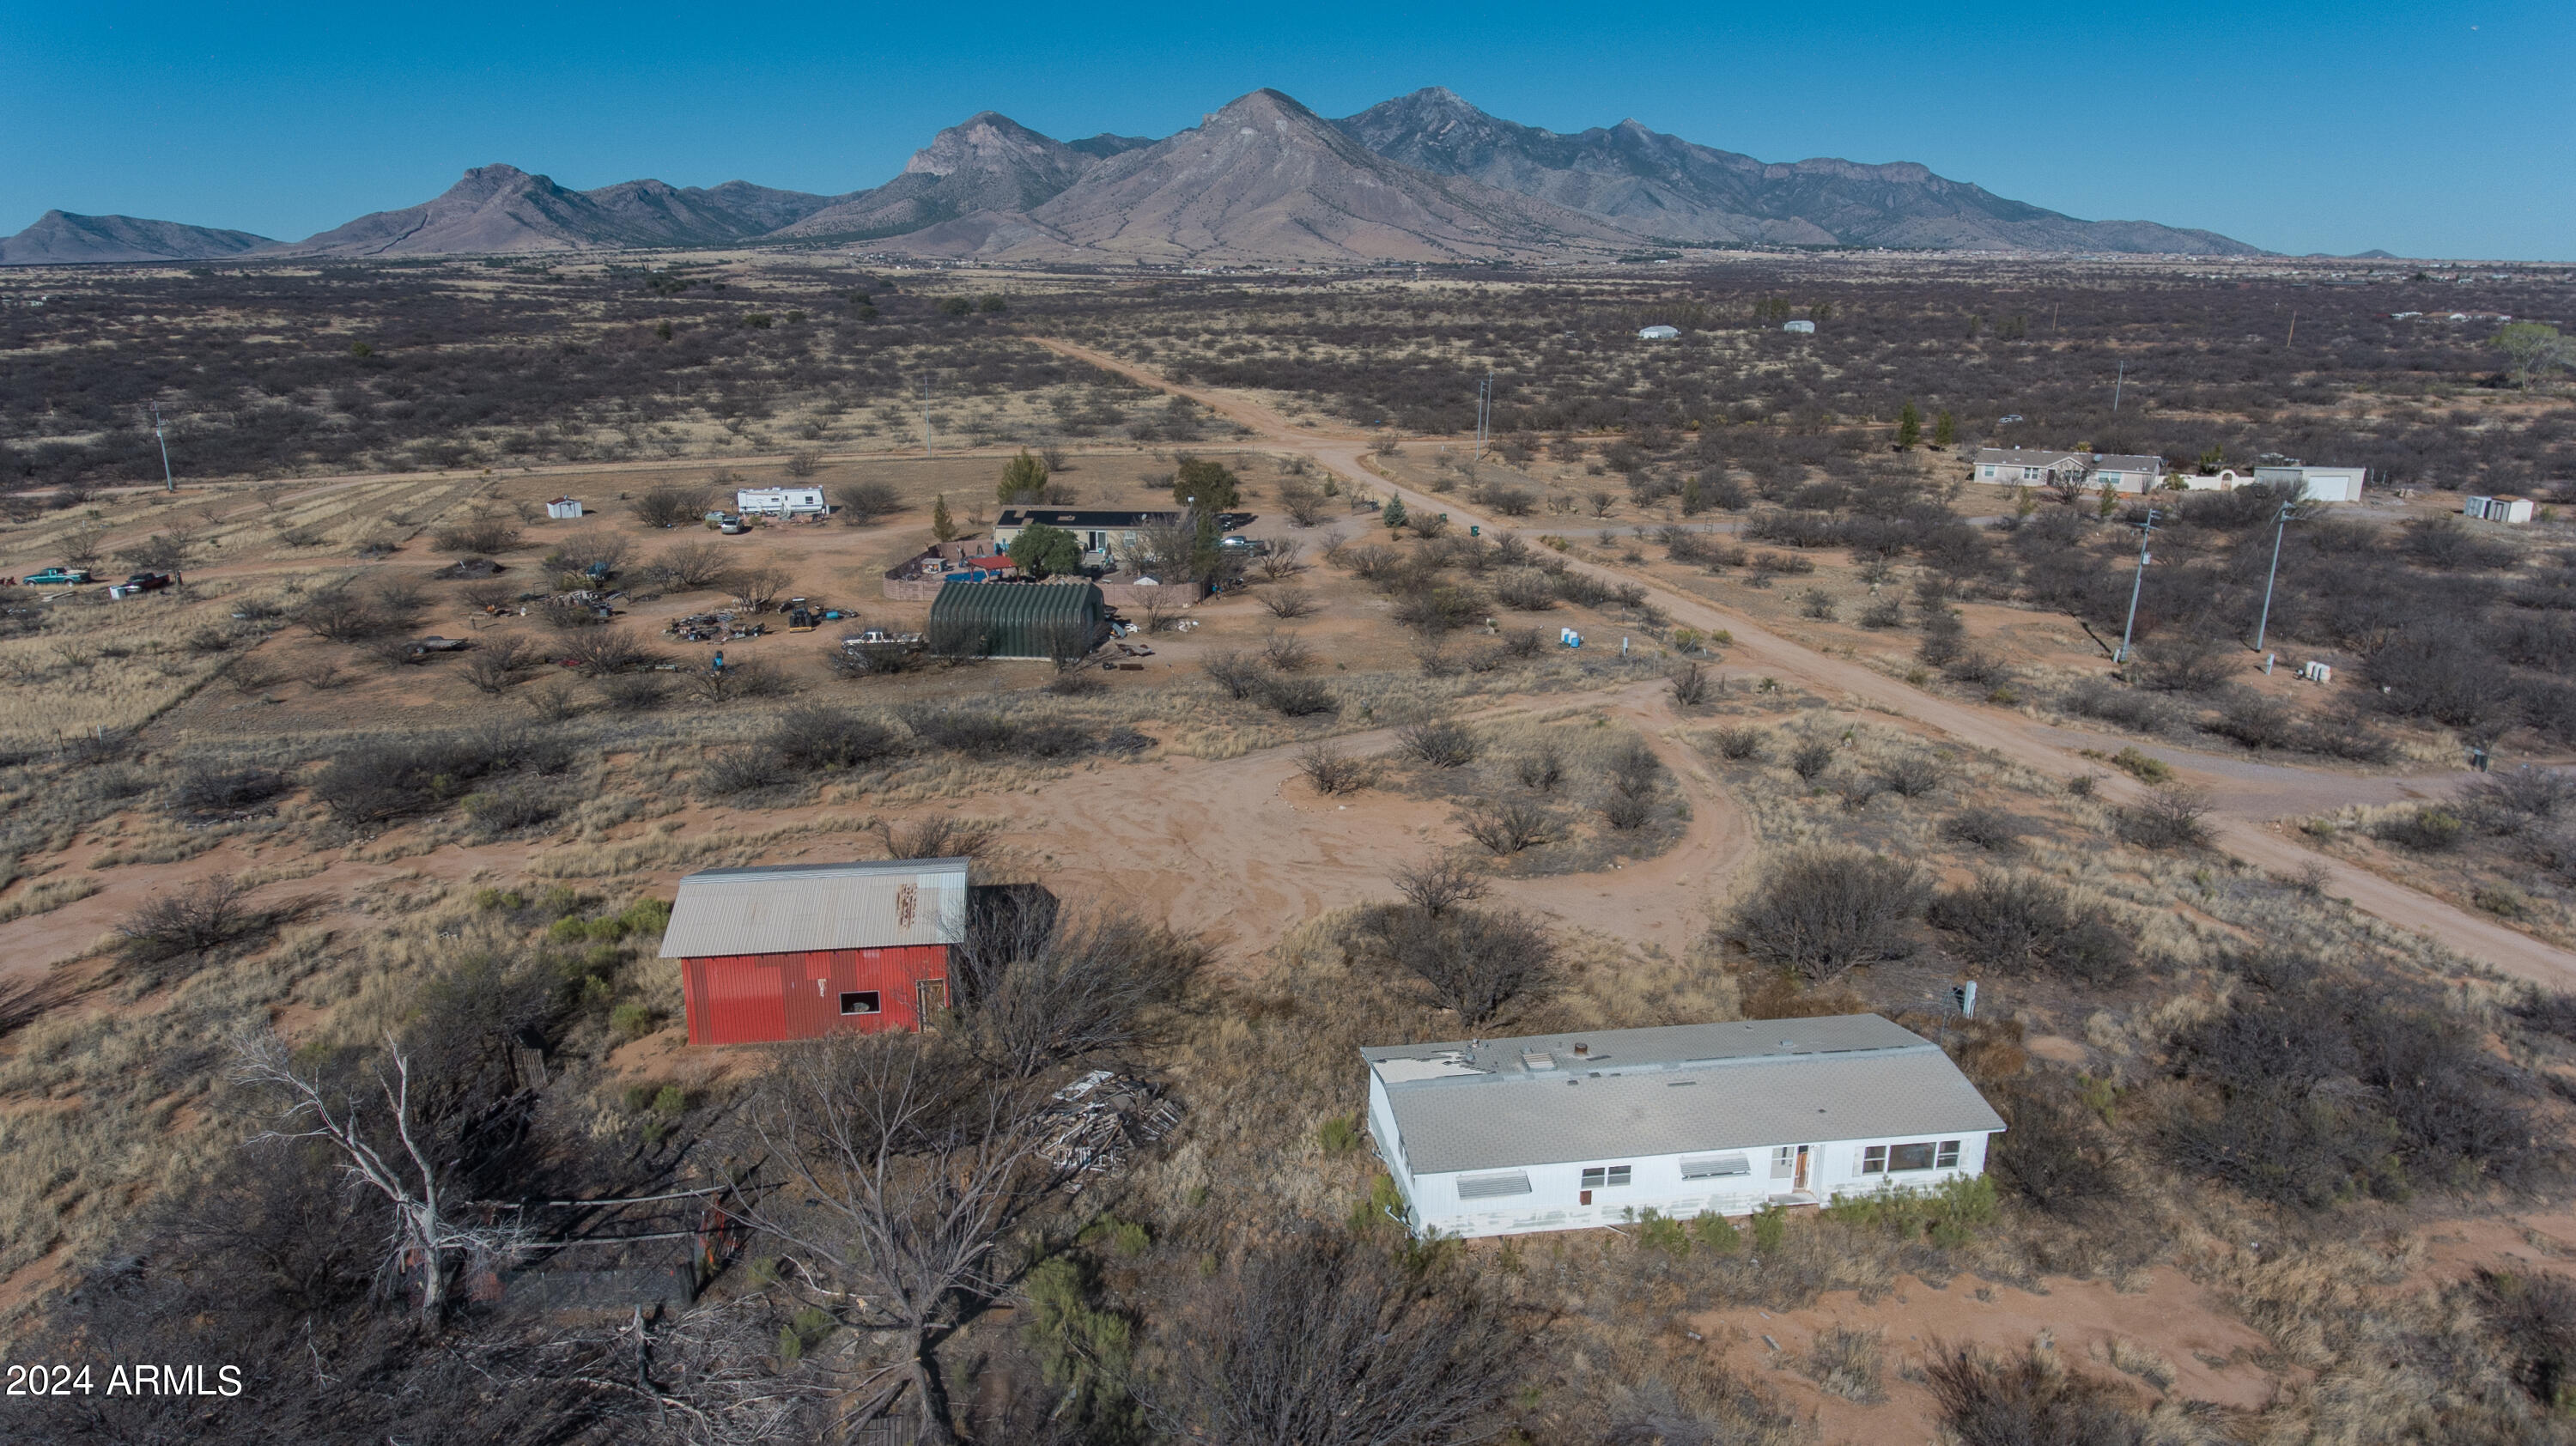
<point x="2428" y="129"/>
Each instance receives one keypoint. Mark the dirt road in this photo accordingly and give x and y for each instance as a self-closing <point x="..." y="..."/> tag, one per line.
<point x="2249" y="797"/>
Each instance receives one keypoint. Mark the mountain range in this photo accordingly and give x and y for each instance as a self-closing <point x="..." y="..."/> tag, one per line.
<point x="1423" y="177"/>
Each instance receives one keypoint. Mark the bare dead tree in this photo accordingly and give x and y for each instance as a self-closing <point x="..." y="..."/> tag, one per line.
<point x="1435" y="884"/>
<point x="706" y="1378"/>
<point x="1323" y="1340"/>
<point x="756" y="589"/>
<point x="1474" y="963"/>
<point x="426" y="1239"/>
<point x="904" y="1175"/>
<point x="1036" y="989"/>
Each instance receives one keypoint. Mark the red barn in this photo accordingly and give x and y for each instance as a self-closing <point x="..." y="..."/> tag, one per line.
<point x="803" y="950"/>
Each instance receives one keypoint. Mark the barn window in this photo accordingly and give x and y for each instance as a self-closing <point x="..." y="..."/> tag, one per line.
<point x="1598" y="1177"/>
<point x="859" y="1001"/>
<point x="1713" y="1167"/>
<point x="1487" y="1187"/>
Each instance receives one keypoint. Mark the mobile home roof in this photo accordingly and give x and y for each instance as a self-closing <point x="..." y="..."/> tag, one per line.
<point x="1487" y="1104"/>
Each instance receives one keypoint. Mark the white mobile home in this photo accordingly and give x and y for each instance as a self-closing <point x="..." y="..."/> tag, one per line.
<point x="1564" y="1132"/>
<point x="1658" y="333"/>
<point x="780" y="502"/>
<point x="563" y="508"/>
<point x="2499" y="508"/>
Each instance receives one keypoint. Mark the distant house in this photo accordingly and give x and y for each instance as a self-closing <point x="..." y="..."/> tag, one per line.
<point x="1563" y="1132"/>
<point x="563" y="508"/>
<point x="780" y="502"/>
<point x="2316" y="484"/>
<point x="1097" y="531"/>
<point x="1807" y="327"/>
<point x="1658" y="333"/>
<point x="801" y="951"/>
<point x="2033" y="467"/>
<point x="2500" y="508"/>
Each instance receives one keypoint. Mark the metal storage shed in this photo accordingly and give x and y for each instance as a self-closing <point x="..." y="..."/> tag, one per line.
<point x="797" y="951"/>
<point x="1016" y="619"/>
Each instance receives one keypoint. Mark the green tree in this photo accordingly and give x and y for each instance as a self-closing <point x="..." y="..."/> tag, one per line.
<point x="955" y="306"/>
<point x="1909" y="426"/>
<point x="1394" y="514"/>
<point x="2535" y="348"/>
<point x="1945" y="430"/>
<point x="991" y="301"/>
<point x="1694" y="501"/>
<point x="942" y="526"/>
<point x="1204" y="483"/>
<point x="1043" y="551"/>
<point x="1024" y="478"/>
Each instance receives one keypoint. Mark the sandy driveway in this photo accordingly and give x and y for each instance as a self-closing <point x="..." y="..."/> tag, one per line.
<point x="2249" y="796"/>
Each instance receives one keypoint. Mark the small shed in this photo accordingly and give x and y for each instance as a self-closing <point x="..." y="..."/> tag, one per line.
<point x="2499" y="508"/>
<point x="1017" y="619"/>
<point x="1564" y="1132"/>
<point x="1805" y="327"/>
<point x="564" y="508"/>
<point x="780" y="502"/>
<point x="1658" y="333"/>
<point x="805" y="950"/>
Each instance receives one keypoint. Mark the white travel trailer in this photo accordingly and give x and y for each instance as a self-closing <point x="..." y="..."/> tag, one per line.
<point x="780" y="502"/>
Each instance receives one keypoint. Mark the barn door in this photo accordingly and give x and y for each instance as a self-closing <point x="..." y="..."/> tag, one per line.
<point x="929" y="997"/>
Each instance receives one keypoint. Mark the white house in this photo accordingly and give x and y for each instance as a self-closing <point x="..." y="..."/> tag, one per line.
<point x="1804" y="327"/>
<point x="563" y="508"/>
<point x="1564" y="1132"/>
<point x="1658" y="333"/>
<point x="2036" y="466"/>
<point x="2500" y="508"/>
<point x="2316" y="484"/>
<point x="780" y="502"/>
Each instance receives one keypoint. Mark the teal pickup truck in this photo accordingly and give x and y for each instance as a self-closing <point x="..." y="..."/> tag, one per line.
<point x="56" y="577"/>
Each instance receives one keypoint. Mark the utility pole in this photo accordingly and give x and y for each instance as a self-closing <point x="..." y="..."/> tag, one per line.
<point x="1484" y="412"/>
<point x="168" y="482"/>
<point x="925" y="414"/>
<point x="2294" y="328"/>
<point x="2129" y="628"/>
<point x="2280" y="525"/>
<point x="2116" y="383"/>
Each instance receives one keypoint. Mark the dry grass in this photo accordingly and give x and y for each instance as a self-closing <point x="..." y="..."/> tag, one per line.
<point x="45" y="896"/>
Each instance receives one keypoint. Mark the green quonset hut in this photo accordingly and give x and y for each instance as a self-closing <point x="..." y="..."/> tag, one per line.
<point x="1058" y="620"/>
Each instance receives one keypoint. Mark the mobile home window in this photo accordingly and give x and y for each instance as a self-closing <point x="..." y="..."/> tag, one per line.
<point x="1596" y="1177"/>
<point x="1922" y="1155"/>
<point x="1713" y="1167"/>
<point x="1487" y="1187"/>
<point x="859" y="1001"/>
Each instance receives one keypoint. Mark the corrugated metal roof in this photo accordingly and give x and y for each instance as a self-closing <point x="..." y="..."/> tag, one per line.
<point x="1489" y="1104"/>
<point x="778" y="909"/>
<point x="1020" y="619"/>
